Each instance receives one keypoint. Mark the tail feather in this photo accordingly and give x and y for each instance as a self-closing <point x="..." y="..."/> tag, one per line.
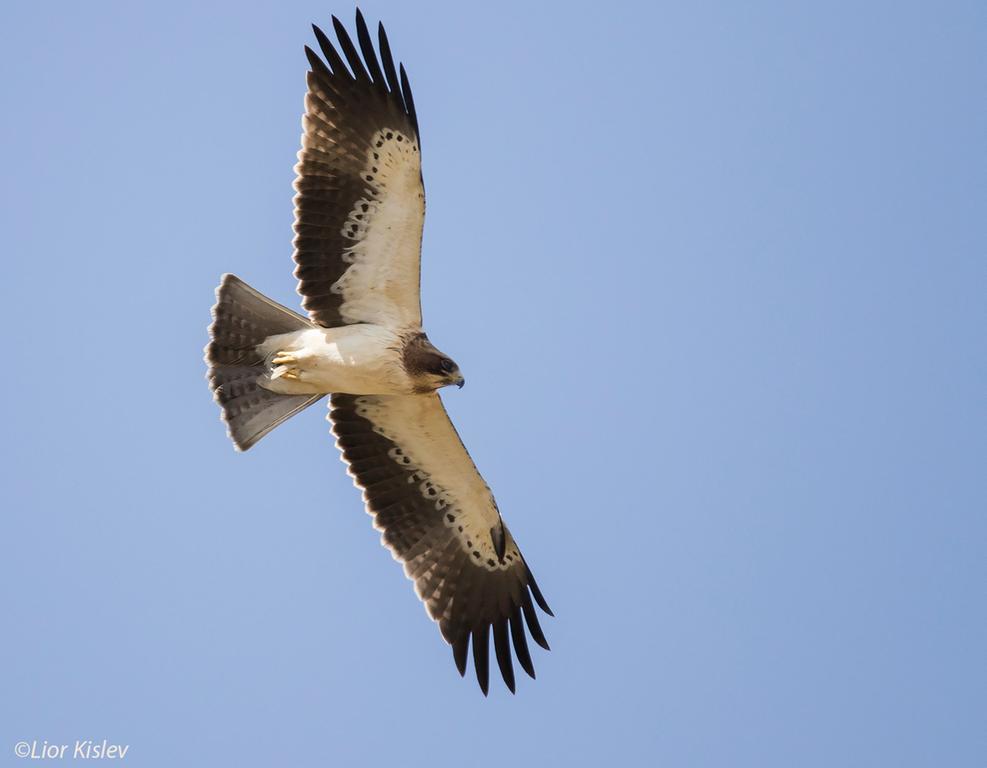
<point x="242" y="319"/>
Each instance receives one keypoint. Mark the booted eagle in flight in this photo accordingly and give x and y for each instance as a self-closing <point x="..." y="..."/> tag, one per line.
<point x="359" y="214"/>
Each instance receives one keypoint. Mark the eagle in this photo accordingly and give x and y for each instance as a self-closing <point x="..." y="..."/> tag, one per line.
<point x="359" y="213"/>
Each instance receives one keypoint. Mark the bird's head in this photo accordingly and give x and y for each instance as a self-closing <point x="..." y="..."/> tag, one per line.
<point x="427" y="367"/>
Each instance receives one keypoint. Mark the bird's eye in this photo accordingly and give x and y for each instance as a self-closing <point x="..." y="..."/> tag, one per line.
<point x="447" y="365"/>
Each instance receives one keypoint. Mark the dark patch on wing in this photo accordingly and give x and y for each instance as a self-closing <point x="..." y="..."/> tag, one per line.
<point x="499" y="540"/>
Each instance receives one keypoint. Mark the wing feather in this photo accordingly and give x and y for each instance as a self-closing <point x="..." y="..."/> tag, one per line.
<point x="460" y="648"/>
<point x="436" y="515"/>
<point x="332" y="56"/>
<point x="521" y="642"/>
<point x="369" y="54"/>
<point x="388" y="61"/>
<point x="503" y="649"/>
<point x="356" y="66"/>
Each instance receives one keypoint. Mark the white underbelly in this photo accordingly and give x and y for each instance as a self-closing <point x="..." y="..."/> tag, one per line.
<point x="354" y="359"/>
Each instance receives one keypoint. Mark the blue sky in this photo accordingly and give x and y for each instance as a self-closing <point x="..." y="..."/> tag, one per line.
<point x="716" y="275"/>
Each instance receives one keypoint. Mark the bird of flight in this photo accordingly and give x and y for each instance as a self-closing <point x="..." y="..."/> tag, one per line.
<point x="359" y="214"/>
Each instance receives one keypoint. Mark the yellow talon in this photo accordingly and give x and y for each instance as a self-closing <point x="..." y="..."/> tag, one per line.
<point x="284" y="372"/>
<point x="283" y="358"/>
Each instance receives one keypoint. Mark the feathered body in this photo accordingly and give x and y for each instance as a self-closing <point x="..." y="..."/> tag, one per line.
<point x="362" y="359"/>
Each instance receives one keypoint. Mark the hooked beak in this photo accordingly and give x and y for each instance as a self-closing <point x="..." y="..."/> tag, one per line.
<point x="460" y="381"/>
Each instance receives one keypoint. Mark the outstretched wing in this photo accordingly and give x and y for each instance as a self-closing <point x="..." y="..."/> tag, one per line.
<point x="439" y="518"/>
<point x="360" y="205"/>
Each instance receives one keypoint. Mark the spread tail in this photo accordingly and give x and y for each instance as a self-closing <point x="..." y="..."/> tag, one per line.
<point x="242" y="319"/>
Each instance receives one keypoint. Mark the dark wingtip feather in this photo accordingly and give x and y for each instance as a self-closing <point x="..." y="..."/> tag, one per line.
<point x="387" y="60"/>
<point x="332" y="55"/>
<point x="538" y="595"/>
<point x="409" y="101"/>
<point x="503" y="650"/>
<point x="317" y="64"/>
<point x="369" y="54"/>
<point x="481" y="657"/>
<point x="533" y="626"/>
<point x="359" y="72"/>
<point x="521" y="643"/>
<point x="459" y="650"/>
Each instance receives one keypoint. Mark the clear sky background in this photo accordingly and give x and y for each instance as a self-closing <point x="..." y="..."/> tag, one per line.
<point x="717" y="276"/>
